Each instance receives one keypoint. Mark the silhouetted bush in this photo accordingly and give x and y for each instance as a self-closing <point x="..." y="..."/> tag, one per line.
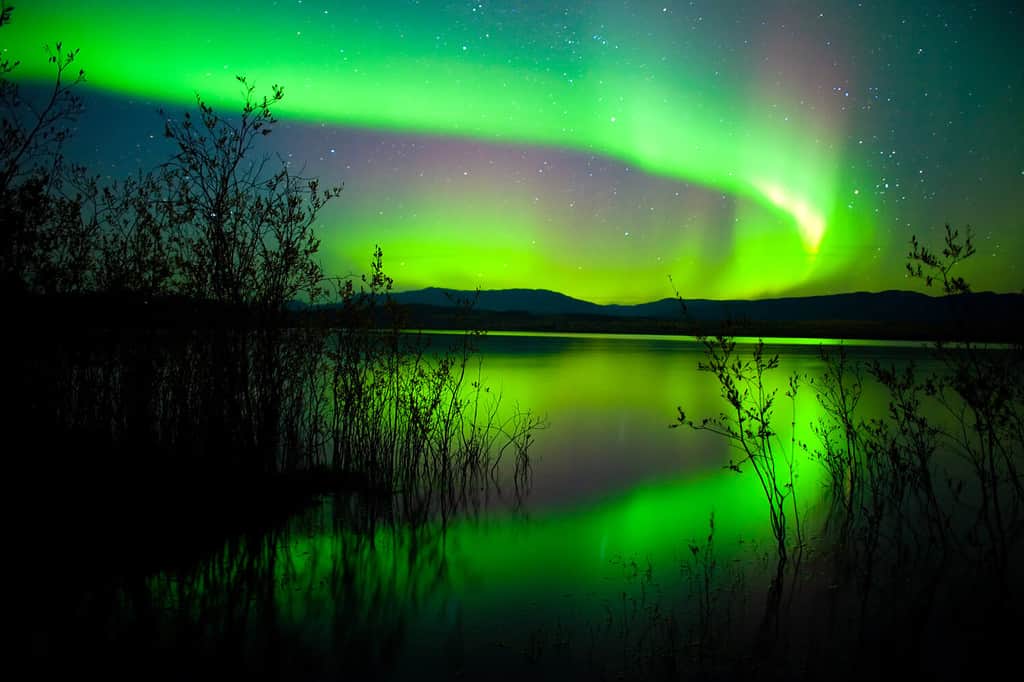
<point x="198" y="366"/>
<point x="923" y="535"/>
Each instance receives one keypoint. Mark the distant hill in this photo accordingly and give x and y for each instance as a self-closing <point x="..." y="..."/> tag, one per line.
<point x="886" y="315"/>
<point x="532" y="301"/>
<point x="886" y="306"/>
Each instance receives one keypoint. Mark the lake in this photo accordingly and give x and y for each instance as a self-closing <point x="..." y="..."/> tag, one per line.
<point x="580" y="569"/>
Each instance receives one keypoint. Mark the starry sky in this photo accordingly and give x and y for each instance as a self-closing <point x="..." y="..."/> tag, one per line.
<point x="744" y="149"/>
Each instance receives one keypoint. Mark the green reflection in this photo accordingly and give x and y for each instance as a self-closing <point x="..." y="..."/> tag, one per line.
<point x="613" y="485"/>
<point x="612" y="482"/>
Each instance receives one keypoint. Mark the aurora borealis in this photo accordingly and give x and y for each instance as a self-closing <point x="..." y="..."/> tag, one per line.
<point x="595" y="148"/>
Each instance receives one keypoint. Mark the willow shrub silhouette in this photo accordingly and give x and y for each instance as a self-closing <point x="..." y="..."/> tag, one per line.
<point x="930" y="528"/>
<point x="982" y="389"/>
<point x="927" y="507"/>
<point x="244" y="229"/>
<point x="197" y="379"/>
<point x="46" y="245"/>
<point x="355" y="396"/>
<point x="884" y="464"/>
<point x="414" y="423"/>
<point x="749" y="426"/>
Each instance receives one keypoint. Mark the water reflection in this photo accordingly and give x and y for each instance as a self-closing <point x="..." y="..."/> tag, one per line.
<point x="351" y="587"/>
<point x="609" y="400"/>
<point x="346" y="601"/>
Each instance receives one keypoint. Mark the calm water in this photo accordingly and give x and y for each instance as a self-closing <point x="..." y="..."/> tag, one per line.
<point x="616" y="497"/>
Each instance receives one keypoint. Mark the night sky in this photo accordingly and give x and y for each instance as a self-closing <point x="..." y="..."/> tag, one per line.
<point x="745" y="149"/>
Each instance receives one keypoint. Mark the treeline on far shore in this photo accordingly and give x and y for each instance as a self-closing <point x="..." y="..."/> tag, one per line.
<point x="437" y="317"/>
<point x="130" y="310"/>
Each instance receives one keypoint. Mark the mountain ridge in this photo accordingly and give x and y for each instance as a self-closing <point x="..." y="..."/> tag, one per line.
<point x="890" y="305"/>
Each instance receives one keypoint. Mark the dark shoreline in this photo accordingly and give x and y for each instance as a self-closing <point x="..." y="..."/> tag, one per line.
<point x="125" y="312"/>
<point x="429" y="318"/>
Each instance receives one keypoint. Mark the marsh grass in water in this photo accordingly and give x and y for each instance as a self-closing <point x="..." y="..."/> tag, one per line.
<point x="906" y="568"/>
<point x="910" y="567"/>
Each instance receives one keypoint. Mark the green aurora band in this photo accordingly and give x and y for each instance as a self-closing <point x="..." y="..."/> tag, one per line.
<point x="388" y="68"/>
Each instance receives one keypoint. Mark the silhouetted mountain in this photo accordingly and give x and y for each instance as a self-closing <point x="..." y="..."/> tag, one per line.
<point x="532" y="301"/>
<point x="886" y="306"/>
<point x="906" y="315"/>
